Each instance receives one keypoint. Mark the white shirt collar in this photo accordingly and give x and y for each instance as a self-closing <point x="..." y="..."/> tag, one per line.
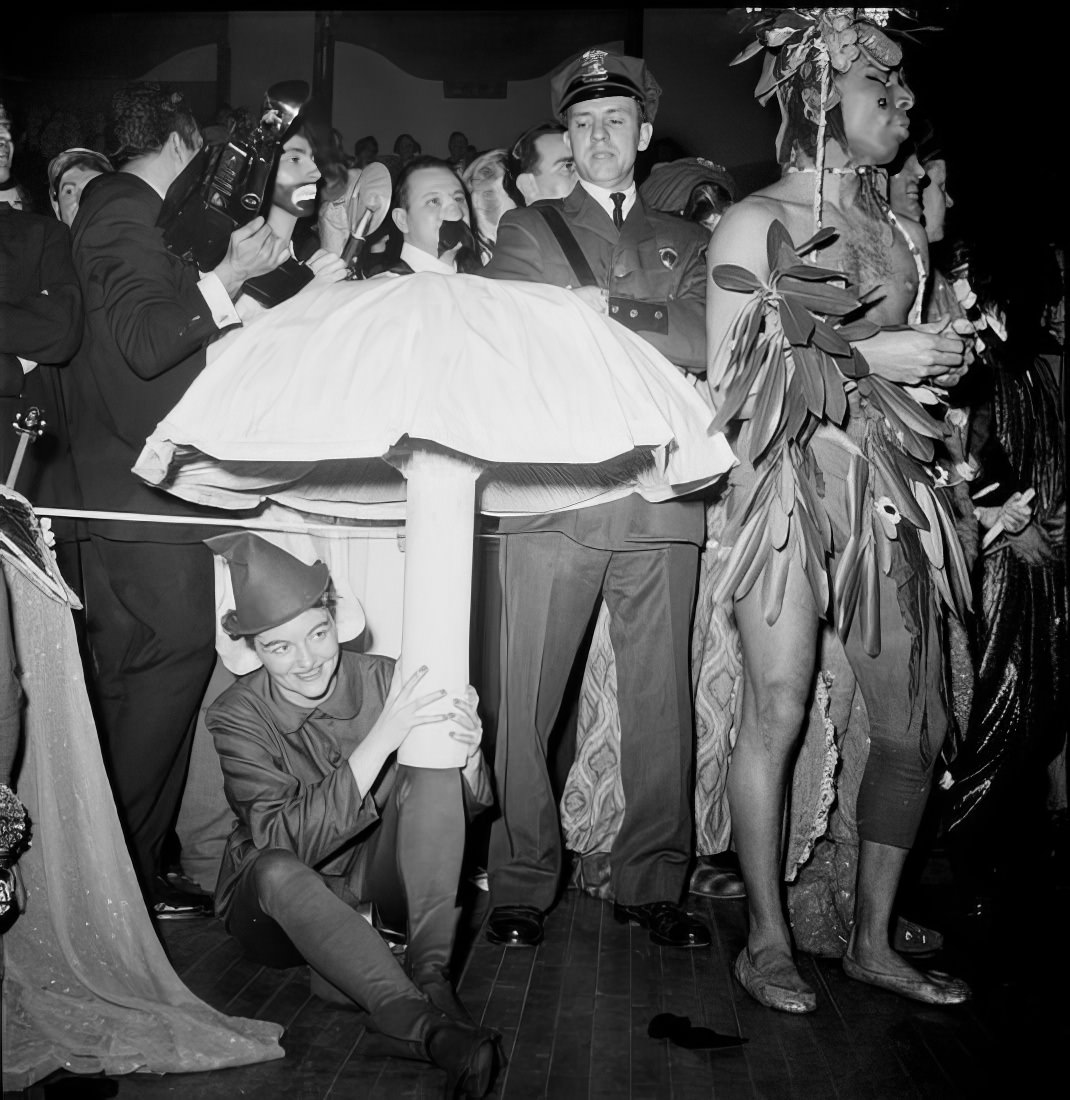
<point x="419" y="260"/>
<point x="601" y="196"/>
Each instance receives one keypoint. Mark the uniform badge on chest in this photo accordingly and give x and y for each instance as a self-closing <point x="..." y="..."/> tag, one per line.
<point x="669" y="256"/>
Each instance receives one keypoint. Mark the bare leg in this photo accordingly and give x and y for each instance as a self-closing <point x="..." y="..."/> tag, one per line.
<point x="905" y="707"/>
<point x="879" y="869"/>
<point x="778" y="668"/>
<point x="870" y="957"/>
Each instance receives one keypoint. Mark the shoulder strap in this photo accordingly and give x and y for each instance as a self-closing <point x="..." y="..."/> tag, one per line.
<point x="569" y="245"/>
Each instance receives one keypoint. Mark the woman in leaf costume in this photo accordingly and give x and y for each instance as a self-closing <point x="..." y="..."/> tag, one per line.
<point x="817" y="356"/>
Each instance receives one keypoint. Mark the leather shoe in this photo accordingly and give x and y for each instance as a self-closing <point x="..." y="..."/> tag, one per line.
<point x="669" y="924"/>
<point x="931" y="987"/>
<point x="470" y="1056"/>
<point x="915" y="939"/>
<point x="716" y="882"/>
<point x="170" y="902"/>
<point x="515" y="925"/>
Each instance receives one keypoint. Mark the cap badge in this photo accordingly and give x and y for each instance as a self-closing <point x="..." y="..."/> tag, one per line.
<point x="593" y="67"/>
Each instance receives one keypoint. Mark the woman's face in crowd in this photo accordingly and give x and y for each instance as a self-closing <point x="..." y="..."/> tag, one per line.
<point x="874" y="102"/>
<point x="301" y="656"/>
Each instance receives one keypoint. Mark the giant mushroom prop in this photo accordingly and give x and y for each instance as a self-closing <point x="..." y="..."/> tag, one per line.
<point x="408" y="396"/>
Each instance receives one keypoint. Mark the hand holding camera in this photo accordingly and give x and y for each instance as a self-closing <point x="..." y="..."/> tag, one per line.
<point x="252" y="250"/>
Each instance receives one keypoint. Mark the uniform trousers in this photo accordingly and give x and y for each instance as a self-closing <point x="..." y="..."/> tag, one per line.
<point x="552" y="586"/>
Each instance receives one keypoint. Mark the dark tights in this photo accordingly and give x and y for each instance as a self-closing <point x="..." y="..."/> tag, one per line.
<point x="285" y="914"/>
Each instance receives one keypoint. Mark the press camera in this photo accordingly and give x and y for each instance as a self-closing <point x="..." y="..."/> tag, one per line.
<point x="223" y="186"/>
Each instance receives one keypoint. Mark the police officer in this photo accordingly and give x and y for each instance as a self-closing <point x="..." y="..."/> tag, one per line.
<point x="646" y="270"/>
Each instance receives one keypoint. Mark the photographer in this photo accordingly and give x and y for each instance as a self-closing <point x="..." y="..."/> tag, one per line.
<point x="149" y="586"/>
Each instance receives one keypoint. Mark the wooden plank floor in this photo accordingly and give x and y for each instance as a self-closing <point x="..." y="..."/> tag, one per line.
<point x="574" y="1015"/>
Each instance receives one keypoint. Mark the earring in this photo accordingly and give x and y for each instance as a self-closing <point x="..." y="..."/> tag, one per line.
<point x="882" y="103"/>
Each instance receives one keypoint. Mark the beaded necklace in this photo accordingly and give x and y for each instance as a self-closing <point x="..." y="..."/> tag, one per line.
<point x="863" y="171"/>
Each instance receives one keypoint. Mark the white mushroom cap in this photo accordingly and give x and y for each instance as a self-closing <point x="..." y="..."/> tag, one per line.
<point x="560" y="406"/>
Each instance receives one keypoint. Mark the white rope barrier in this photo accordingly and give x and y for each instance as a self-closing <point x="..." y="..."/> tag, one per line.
<point x="390" y="529"/>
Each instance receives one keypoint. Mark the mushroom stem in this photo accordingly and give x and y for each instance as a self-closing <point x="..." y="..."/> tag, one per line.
<point x="436" y="613"/>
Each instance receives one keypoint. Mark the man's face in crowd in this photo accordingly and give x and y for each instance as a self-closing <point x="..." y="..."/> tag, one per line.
<point x="7" y="153"/>
<point x="301" y="656"/>
<point x="296" y="178"/>
<point x="554" y="174"/>
<point x="604" y="136"/>
<point x="935" y="200"/>
<point x="69" y="192"/>
<point x="904" y="188"/>
<point x="874" y="102"/>
<point x="435" y="195"/>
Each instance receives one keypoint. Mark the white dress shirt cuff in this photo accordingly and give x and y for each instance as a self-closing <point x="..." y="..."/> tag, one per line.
<point x="218" y="300"/>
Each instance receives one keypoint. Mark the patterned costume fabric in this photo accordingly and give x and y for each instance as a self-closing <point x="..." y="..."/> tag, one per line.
<point x="592" y="804"/>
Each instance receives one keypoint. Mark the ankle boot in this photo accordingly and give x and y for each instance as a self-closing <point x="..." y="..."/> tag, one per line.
<point x="470" y="1056"/>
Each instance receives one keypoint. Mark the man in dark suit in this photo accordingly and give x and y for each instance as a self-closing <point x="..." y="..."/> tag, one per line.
<point x="40" y="329"/>
<point x="647" y="271"/>
<point x="149" y="586"/>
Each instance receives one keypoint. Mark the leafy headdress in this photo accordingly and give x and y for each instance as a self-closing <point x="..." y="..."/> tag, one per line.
<point x="804" y="48"/>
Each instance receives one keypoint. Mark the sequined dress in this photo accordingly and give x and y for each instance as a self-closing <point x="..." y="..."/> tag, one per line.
<point x="1018" y="720"/>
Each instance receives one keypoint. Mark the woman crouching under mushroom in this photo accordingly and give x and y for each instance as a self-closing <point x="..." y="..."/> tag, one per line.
<point x="330" y="826"/>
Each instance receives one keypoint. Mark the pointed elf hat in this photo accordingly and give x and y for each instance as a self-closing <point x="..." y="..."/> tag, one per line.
<point x="271" y="586"/>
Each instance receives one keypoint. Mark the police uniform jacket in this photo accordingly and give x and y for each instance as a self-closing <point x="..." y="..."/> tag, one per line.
<point x="655" y="259"/>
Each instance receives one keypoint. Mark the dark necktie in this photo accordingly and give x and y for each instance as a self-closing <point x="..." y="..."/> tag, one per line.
<point x="618" y="204"/>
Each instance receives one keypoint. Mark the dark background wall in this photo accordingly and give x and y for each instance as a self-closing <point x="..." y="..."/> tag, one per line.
<point x="994" y="97"/>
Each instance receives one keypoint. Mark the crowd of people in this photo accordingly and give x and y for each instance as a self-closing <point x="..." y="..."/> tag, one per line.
<point x="864" y="619"/>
